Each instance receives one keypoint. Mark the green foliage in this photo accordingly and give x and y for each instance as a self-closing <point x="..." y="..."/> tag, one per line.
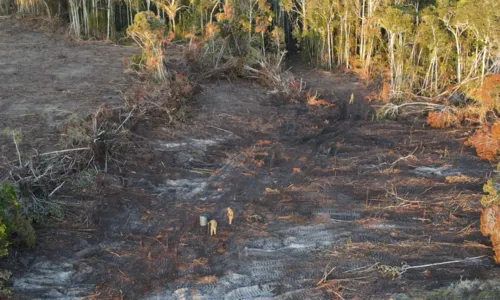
<point x="24" y="231"/>
<point x="97" y="24"/>
<point x="4" y="276"/>
<point x="491" y="189"/>
<point x="396" y="20"/>
<point x="492" y="194"/>
<point x="78" y="131"/>
<point x="86" y="179"/>
<point x="4" y="244"/>
<point x="17" y="134"/>
<point x="15" y="228"/>
<point x="148" y="32"/>
<point x="137" y="62"/>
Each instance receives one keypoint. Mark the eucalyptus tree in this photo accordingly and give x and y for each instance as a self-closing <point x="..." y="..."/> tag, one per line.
<point x="483" y="24"/>
<point x="171" y="8"/>
<point x="369" y="30"/>
<point x="398" y="25"/>
<point x="5" y="7"/>
<point x="435" y="43"/>
<point x="85" y="18"/>
<point x="457" y="26"/>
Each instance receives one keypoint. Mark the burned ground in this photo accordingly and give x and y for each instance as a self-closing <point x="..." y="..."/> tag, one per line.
<point x="318" y="193"/>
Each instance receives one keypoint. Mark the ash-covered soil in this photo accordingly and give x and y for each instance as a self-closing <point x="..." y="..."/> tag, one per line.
<point x="329" y="203"/>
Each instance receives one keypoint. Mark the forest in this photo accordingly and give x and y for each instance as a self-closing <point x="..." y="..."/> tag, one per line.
<point x="422" y="48"/>
<point x="436" y="61"/>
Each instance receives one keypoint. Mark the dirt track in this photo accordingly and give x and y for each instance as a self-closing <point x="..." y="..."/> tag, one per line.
<point x="328" y="187"/>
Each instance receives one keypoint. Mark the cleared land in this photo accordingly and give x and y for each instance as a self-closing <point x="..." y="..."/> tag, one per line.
<point x="315" y="191"/>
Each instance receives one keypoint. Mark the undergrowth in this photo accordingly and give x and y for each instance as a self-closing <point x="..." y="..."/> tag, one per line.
<point x="467" y="289"/>
<point x="16" y="228"/>
<point x="490" y="216"/>
<point x="228" y="52"/>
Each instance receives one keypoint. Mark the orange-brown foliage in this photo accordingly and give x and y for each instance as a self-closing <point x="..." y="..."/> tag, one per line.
<point x="361" y="72"/>
<point x="486" y="141"/>
<point x="373" y="96"/>
<point x="264" y="142"/>
<point x="211" y="31"/>
<point x="490" y="226"/>
<point x="313" y="100"/>
<point x="227" y="14"/>
<point x="385" y="94"/>
<point x="208" y="279"/>
<point x="261" y="24"/>
<point x="489" y="92"/>
<point x="442" y="119"/>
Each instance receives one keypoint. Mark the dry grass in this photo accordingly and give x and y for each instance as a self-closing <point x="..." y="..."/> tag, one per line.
<point x="460" y="179"/>
<point x="392" y="111"/>
<point x="322" y="218"/>
<point x="208" y="279"/>
<point x="314" y="100"/>
<point x="390" y="171"/>
<point x="269" y="72"/>
<point x="232" y="57"/>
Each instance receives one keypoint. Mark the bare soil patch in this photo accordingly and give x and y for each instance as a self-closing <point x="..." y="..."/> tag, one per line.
<point x="45" y="78"/>
<point x="315" y="191"/>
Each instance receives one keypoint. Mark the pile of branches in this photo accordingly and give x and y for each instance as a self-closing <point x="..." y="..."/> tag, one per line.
<point x="99" y="136"/>
<point x="214" y="58"/>
<point x="164" y="101"/>
<point x="225" y="57"/>
<point x="87" y="142"/>
<point x="268" y="70"/>
<point x="94" y="142"/>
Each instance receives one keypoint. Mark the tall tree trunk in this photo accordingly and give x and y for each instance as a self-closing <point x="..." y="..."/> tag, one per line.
<point x="362" y="42"/>
<point x="347" y="41"/>
<point x="459" y="56"/>
<point x="108" y="35"/>
<point x="483" y="64"/>
<point x="85" y="18"/>
<point x="392" y="58"/>
<point x="329" y="46"/>
<point x="304" y="16"/>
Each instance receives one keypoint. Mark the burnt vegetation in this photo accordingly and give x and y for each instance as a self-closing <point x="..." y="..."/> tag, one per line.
<point x="308" y="166"/>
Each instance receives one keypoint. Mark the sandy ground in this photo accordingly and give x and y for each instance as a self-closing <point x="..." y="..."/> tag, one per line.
<point x="44" y="78"/>
<point x="314" y="190"/>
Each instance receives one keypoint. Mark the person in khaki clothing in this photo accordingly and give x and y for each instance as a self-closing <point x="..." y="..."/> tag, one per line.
<point x="230" y="215"/>
<point x="212" y="227"/>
